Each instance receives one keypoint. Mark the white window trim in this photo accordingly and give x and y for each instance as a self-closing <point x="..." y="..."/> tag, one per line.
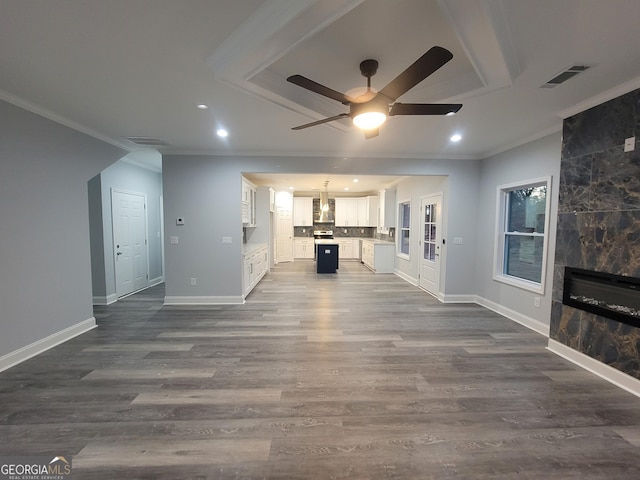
<point x="498" y="255"/>
<point x="399" y="253"/>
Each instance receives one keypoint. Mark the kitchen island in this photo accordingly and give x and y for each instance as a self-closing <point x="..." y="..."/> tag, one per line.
<point x="326" y="254"/>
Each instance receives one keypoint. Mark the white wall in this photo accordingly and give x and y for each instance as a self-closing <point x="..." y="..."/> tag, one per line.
<point x="205" y="190"/>
<point x="534" y="160"/>
<point x="412" y="189"/>
<point x="45" y="267"/>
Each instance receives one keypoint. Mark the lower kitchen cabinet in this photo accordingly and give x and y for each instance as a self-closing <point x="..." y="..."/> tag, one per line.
<point x="379" y="256"/>
<point x="256" y="265"/>
<point x="303" y="247"/>
<point x="345" y="248"/>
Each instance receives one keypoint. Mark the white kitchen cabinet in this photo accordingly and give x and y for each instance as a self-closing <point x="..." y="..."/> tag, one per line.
<point x="378" y="256"/>
<point x="346" y="212"/>
<point x="302" y="211"/>
<point x="368" y="211"/>
<point x="303" y="247"/>
<point x="256" y="265"/>
<point x="387" y="210"/>
<point x="345" y="248"/>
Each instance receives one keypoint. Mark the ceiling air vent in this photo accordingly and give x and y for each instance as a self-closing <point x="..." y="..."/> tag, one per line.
<point x="565" y="75"/>
<point x="148" y="141"/>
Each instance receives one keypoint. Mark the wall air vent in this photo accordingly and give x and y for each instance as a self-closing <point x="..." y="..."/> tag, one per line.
<point x="147" y="141"/>
<point x="565" y="75"/>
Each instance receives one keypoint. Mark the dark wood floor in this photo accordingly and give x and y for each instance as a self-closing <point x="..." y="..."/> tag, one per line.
<point x="345" y="376"/>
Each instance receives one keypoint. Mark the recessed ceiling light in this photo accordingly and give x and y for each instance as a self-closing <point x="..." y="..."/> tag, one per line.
<point x="346" y="188"/>
<point x="355" y="180"/>
<point x="456" y="138"/>
<point x="202" y="106"/>
<point x="222" y="132"/>
<point x="290" y="188"/>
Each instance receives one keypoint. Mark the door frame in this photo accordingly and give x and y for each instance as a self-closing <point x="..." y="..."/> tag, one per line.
<point x="440" y="244"/>
<point x="113" y="239"/>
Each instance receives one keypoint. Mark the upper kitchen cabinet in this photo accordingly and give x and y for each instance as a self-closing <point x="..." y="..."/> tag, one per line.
<point x="347" y="212"/>
<point x="386" y="210"/>
<point x="248" y="203"/>
<point x="368" y="211"/>
<point x="302" y="211"/>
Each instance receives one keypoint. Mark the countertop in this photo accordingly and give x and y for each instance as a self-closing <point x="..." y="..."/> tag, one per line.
<point x="248" y="248"/>
<point x="325" y="241"/>
<point x="375" y="241"/>
<point x="335" y="240"/>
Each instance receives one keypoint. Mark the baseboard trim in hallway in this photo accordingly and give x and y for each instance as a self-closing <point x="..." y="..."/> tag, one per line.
<point x="517" y="317"/>
<point x="36" y="348"/>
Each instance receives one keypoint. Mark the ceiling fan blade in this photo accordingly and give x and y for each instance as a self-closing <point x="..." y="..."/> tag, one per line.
<point x="320" y="122"/>
<point x="424" y="108"/>
<point x="304" y="82"/>
<point x="371" y="133"/>
<point x="428" y="63"/>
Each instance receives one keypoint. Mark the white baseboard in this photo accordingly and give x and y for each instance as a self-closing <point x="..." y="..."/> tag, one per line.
<point x="102" y="300"/>
<point x="406" y="277"/>
<point x="185" y="300"/>
<point x="457" y="298"/>
<point x="610" y="374"/>
<point x="156" y="281"/>
<point x="517" y="317"/>
<point x="25" y="353"/>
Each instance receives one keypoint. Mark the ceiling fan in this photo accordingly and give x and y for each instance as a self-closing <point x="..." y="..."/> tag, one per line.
<point x="371" y="109"/>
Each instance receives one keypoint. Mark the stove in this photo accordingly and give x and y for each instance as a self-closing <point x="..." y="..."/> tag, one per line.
<point x="323" y="234"/>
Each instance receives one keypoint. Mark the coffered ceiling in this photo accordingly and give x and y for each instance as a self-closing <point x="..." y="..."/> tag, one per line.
<point x="139" y="68"/>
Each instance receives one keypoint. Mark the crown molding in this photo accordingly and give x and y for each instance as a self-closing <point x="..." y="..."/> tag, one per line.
<point x="54" y="117"/>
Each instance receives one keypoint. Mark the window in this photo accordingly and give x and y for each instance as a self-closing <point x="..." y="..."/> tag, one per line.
<point x="404" y="227"/>
<point x="521" y="244"/>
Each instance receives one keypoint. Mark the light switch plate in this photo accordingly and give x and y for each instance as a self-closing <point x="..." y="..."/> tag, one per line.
<point x="629" y="144"/>
<point x="457" y="240"/>
<point x="226" y="239"/>
<point x="173" y="240"/>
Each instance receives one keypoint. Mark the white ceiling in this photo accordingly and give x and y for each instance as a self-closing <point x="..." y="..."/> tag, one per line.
<point x="123" y="68"/>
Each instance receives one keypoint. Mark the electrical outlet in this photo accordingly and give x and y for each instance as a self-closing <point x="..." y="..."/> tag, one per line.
<point x="536" y="302"/>
<point x="193" y="281"/>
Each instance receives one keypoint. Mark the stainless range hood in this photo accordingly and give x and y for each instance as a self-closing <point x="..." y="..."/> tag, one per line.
<point x="324" y="209"/>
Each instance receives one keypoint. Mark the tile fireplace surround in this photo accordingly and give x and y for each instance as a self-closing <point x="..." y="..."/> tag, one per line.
<point x="599" y="225"/>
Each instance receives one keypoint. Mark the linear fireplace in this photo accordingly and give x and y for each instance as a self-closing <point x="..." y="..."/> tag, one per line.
<point x="612" y="296"/>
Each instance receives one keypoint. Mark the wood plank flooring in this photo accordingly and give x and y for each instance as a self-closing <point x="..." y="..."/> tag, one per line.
<point x="341" y="376"/>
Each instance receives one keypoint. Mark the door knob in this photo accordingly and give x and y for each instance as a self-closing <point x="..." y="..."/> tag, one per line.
<point x="119" y="253"/>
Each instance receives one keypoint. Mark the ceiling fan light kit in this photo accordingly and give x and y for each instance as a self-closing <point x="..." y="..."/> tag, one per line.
<point x="370" y="110"/>
<point x="371" y="114"/>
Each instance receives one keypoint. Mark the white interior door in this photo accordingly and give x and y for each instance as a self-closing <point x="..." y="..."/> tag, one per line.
<point x="128" y="215"/>
<point x="431" y="239"/>
<point x="284" y="227"/>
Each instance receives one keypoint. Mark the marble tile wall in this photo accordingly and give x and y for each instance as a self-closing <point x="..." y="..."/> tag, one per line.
<point x="599" y="224"/>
